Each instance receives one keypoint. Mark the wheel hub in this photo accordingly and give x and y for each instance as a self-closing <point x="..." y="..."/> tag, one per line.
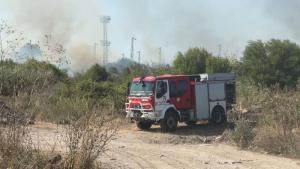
<point x="218" y="117"/>
<point x="171" y="122"/>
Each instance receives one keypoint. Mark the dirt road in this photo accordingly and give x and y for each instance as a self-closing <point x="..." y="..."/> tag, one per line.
<point x="189" y="147"/>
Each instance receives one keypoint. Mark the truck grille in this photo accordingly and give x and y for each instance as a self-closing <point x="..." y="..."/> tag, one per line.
<point x="137" y="114"/>
<point x="137" y="107"/>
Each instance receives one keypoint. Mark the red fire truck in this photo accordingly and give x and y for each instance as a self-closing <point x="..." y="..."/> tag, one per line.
<point x="169" y="99"/>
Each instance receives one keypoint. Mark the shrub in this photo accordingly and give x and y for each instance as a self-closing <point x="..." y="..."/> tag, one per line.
<point x="30" y="75"/>
<point x="274" y="141"/>
<point x="243" y="134"/>
<point x="16" y="148"/>
<point x="276" y="113"/>
<point x="87" y="137"/>
<point x="96" y="73"/>
<point x="281" y="117"/>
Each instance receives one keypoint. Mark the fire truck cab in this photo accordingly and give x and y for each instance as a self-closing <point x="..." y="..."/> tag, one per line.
<point x="169" y="99"/>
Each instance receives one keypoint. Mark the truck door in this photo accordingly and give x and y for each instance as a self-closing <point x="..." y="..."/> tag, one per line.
<point x="162" y="96"/>
<point x="173" y="92"/>
<point x="183" y="95"/>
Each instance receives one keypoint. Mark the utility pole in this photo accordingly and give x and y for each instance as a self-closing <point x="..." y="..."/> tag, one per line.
<point x="139" y="56"/>
<point x="220" y="50"/>
<point x="159" y="56"/>
<point x="132" y="48"/>
<point x="2" y="62"/>
<point x="48" y="39"/>
<point x="105" y="43"/>
<point x="31" y="57"/>
<point x="1" y="48"/>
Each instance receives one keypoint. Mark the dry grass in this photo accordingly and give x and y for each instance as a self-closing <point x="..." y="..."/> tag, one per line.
<point x="88" y="130"/>
<point x="282" y="116"/>
<point x="275" y="114"/>
<point x="16" y="148"/>
<point x="86" y="137"/>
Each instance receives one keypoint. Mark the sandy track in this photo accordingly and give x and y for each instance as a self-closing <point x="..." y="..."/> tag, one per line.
<point x="137" y="149"/>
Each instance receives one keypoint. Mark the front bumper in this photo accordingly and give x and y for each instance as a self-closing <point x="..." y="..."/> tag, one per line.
<point x="140" y="114"/>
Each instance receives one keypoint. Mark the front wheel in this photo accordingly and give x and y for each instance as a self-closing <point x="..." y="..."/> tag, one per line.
<point x="169" y="123"/>
<point x="143" y="125"/>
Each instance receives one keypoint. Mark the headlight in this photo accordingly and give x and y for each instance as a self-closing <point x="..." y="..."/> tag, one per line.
<point x="147" y="106"/>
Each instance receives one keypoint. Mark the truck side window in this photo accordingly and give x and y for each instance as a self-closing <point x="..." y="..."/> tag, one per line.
<point x="182" y="87"/>
<point x="173" y="91"/>
<point x="161" y="89"/>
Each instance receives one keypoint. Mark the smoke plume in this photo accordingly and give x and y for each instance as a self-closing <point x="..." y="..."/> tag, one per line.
<point x="285" y="13"/>
<point x="63" y="21"/>
<point x="173" y="25"/>
<point x="44" y="17"/>
<point x="82" y="57"/>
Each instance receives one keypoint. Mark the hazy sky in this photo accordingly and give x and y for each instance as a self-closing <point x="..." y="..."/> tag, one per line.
<point x="174" y="25"/>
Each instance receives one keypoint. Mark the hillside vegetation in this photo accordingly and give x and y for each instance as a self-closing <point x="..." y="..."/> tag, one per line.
<point x="266" y="116"/>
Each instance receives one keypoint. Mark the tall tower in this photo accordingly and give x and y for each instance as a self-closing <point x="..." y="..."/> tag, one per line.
<point x="105" y="43"/>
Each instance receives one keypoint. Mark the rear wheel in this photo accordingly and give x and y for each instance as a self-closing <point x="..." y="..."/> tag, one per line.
<point x="143" y="125"/>
<point x="169" y="123"/>
<point x="218" y="115"/>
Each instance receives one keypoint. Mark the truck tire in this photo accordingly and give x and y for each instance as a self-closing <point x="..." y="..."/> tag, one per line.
<point x="218" y="115"/>
<point x="169" y="123"/>
<point x="143" y="125"/>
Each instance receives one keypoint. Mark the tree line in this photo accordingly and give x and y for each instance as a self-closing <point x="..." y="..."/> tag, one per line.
<point x="265" y="63"/>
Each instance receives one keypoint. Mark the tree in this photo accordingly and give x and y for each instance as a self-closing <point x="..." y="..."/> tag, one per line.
<point x="96" y="73"/>
<point x="218" y="65"/>
<point x="272" y="62"/>
<point x="193" y="61"/>
<point x="163" y="70"/>
<point x="137" y="69"/>
<point x="113" y="70"/>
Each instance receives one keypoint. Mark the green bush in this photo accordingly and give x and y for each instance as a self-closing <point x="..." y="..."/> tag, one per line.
<point x="193" y="61"/>
<point x="96" y="73"/>
<point x="25" y="77"/>
<point x="272" y="62"/>
<point x="218" y="65"/>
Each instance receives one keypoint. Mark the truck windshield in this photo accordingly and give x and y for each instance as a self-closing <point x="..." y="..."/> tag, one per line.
<point x="141" y="88"/>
